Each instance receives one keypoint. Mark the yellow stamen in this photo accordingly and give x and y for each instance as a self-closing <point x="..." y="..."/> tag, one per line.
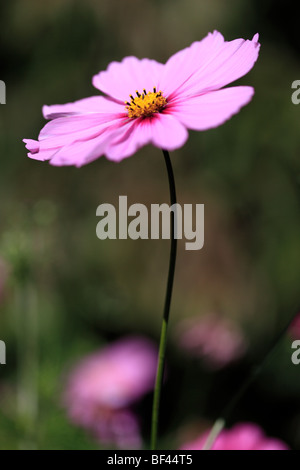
<point x="145" y="104"/>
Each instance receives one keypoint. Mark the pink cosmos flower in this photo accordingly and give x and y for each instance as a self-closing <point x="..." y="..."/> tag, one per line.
<point x="146" y="102"/>
<point x="294" y="328"/>
<point x="102" y="386"/>
<point x="119" y="428"/>
<point x="243" y="436"/>
<point x="215" y="340"/>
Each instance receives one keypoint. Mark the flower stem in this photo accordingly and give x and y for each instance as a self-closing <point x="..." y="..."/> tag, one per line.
<point x="163" y="335"/>
<point x="255" y="371"/>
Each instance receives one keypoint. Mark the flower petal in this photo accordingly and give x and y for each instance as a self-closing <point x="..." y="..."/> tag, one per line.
<point x="82" y="153"/>
<point x="75" y="140"/>
<point x="123" y="78"/>
<point x="167" y="133"/>
<point x="207" y="65"/>
<point x="34" y="149"/>
<point x="93" y="104"/>
<point x="211" y="109"/>
<point x="161" y="130"/>
<point x="66" y="130"/>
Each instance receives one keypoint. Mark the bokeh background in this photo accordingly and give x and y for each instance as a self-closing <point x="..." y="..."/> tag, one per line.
<point x="65" y="294"/>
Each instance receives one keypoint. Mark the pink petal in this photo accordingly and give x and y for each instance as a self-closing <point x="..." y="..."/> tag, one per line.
<point x="211" y="109"/>
<point x="75" y="140"/>
<point x="272" y="444"/>
<point x="33" y="146"/>
<point x="39" y="152"/>
<point x="66" y="130"/>
<point x="81" y="153"/>
<point x="161" y="130"/>
<point x="122" y="79"/>
<point x="93" y="104"/>
<point x="243" y="436"/>
<point x="182" y="65"/>
<point x="246" y="436"/>
<point x="207" y="65"/>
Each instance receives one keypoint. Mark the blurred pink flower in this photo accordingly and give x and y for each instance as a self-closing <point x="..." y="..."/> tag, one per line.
<point x="185" y="93"/>
<point x="216" y="340"/>
<point x="294" y="328"/>
<point x="101" y="387"/>
<point x="243" y="436"/>
<point x="117" y="427"/>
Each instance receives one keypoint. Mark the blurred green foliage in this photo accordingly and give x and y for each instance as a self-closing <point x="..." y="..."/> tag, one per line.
<point x="67" y="293"/>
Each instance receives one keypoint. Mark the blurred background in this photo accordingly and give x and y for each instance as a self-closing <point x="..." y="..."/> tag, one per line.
<point x="65" y="295"/>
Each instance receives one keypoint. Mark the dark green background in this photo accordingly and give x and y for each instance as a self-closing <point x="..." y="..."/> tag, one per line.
<point x="68" y="292"/>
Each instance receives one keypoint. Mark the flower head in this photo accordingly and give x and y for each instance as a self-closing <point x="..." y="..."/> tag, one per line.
<point x="146" y="102"/>
<point x="294" y="328"/>
<point x="243" y="436"/>
<point x="101" y="387"/>
<point x="215" y="340"/>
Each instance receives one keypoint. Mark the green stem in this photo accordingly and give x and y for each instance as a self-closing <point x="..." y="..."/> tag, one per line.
<point x="163" y="335"/>
<point x="256" y="369"/>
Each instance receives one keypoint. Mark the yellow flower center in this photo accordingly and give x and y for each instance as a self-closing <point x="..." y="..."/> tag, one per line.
<point x="145" y="104"/>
